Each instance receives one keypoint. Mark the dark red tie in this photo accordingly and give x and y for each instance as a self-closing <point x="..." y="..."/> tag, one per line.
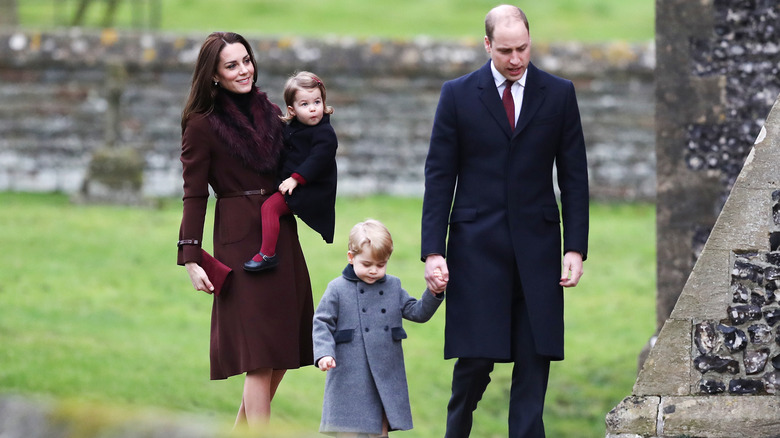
<point x="509" y="103"/>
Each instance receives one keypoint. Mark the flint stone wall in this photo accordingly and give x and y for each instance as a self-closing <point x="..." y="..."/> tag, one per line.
<point x="715" y="370"/>
<point x="55" y="85"/>
<point x="720" y="76"/>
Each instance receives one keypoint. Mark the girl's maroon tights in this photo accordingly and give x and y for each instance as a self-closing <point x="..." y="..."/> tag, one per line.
<point x="273" y="208"/>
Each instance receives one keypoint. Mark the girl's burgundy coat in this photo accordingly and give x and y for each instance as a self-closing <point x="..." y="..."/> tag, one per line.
<point x="259" y="320"/>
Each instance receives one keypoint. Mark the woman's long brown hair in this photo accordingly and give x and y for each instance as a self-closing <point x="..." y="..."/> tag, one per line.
<point x="203" y="90"/>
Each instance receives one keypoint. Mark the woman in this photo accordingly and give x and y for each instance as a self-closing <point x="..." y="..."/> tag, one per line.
<point x="231" y="141"/>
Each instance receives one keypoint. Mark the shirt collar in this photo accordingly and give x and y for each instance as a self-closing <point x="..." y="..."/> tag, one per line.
<point x="500" y="79"/>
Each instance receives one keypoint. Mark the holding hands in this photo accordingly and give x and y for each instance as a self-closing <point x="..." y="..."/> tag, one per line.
<point x="326" y="363"/>
<point x="436" y="273"/>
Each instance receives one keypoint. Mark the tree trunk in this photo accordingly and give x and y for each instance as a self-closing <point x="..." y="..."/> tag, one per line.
<point x="81" y="10"/>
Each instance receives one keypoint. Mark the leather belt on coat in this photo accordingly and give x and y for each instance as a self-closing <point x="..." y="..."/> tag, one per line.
<point x="261" y="192"/>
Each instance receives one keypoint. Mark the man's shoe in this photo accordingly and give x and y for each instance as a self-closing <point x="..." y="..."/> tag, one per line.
<point x="263" y="264"/>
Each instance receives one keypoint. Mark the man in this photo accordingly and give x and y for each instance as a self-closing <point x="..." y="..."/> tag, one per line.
<point x="489" y="184"/>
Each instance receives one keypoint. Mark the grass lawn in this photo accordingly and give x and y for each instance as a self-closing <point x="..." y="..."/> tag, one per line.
<point x="95" y="309"/>
<point x="551" y="20"/>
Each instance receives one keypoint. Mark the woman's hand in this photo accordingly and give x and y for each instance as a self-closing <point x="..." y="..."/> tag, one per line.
<point x="200" y="281"/>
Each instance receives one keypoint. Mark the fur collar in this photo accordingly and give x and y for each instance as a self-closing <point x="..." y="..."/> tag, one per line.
<point x="257" y="144"/>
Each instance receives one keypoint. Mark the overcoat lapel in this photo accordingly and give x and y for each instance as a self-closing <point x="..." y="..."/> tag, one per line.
<point x="489" y="97"/>
<point x="533" y="96"/>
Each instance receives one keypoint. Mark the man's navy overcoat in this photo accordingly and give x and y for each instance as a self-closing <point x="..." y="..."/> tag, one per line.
<point x="490" y="208"/>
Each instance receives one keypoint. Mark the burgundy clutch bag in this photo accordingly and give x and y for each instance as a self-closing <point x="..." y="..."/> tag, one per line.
<point x="217" y="271"/>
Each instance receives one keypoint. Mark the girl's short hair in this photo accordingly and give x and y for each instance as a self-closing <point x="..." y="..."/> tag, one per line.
<point x="375" y="236"/>
<point x="300" y="81"/>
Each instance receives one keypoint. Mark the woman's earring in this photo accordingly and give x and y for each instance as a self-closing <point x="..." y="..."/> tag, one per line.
<point x="216" y="83"/>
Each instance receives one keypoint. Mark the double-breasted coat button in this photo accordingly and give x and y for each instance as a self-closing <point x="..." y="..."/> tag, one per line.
<point x="366" y="329"/>
<point x="381" y="292"/>
<point x="364" y="310"/>
<point x="362" y="291"/>
<point x="384" y="311"/>
<point x="387" y="328"/>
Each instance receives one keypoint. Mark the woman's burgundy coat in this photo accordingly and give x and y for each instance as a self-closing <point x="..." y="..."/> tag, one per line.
<point x="260" y="320"/>
<point x="310" y="151"/>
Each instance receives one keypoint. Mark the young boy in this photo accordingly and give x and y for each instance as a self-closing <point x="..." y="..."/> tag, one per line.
<point x="357" y="338"/>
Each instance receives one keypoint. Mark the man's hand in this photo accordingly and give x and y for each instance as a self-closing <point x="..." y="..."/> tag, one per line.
<point x="436" y="273"/>
<point x="572" y="269"/>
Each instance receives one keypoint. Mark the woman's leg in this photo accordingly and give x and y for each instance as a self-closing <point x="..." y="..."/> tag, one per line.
<point x="276" y="379"/>
<point x="259" y="388"/>
<point x="241" y="417"/>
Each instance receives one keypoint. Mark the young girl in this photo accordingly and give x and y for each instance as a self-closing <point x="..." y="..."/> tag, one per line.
<point x="308" y="173"/>
<point x="357" y="335"/>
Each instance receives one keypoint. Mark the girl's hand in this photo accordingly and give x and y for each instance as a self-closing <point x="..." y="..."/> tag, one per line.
<point x="200" y="281"/>
<point x="287" y="186"/>
<point x="327" y="363"/>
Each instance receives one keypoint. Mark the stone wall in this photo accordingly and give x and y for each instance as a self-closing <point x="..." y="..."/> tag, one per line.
<point x="56" y="91"/>
<point x="715" y="370"/>
<point x="720" y="76"/>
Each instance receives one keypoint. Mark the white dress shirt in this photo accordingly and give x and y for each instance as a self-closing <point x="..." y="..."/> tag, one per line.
<point x="518" y="88"/>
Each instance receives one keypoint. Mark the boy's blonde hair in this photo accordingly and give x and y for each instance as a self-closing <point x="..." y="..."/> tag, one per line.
<point x="374" y="234"/>
<point x="300" y="81"/>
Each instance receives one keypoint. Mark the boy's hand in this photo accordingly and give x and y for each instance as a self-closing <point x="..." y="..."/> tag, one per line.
<point x="327" y="363"/>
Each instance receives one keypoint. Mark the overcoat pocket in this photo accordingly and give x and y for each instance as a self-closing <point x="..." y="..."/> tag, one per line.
<point x="398" y="333"/>
<point x="342" y="336"/>
<point x="232" y="227"/>
<point x="463" y="215"/>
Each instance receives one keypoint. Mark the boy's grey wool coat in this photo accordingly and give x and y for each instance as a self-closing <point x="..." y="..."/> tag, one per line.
<point x="360" y="326"/>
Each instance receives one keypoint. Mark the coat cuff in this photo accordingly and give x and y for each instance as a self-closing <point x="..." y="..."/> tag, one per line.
<point x="297" y="176"/>
<point x="189" y="251"/>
